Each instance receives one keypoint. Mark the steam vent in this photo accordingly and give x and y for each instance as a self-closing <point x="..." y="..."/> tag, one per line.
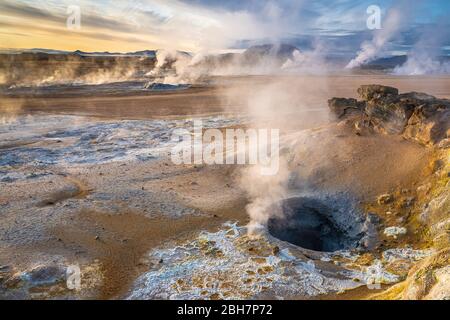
<point x="225" y="150"/>
<point x="313" y="224"/>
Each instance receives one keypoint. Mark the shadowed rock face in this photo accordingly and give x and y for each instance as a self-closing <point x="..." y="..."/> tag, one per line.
<point x="374" y="91"/>
<point x="342" y="106"/>
<point x="429" y="123"/>
<point x="417" y="116"/>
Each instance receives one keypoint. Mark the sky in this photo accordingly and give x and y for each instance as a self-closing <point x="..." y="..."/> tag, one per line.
<point x="215" y="25"/>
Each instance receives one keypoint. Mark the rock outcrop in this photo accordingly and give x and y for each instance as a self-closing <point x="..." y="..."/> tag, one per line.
<point x="374" y="91"/>
<point x="427" y="280"/>
<point x="416" y="116"/>
<point x="342" y="106"/>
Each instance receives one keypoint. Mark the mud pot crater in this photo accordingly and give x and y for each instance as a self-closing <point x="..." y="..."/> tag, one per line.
<point x="318" y="224"/>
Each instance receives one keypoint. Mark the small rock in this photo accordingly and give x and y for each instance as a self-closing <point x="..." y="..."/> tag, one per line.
<point x="214" y="296"/>
<point x="370" y="239"/>
<point x="385" y="198"/>
<point x="437" y="165"/>
<point x="424" y="188"/>
<point x="444" y="144"/>
<point x="97" y="238"/>
<point x="373" y="218"/>
<point x="44" y="275"/>
<point x="4" y="268"/>
<point x="275" y="250"/>
<point x="394" y="231"/>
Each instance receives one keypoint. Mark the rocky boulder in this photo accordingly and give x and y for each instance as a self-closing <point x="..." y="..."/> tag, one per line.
<point x="417" y="116"/>
<point x="389" y="116"/>
<point x="429" y="124"/>
<point x="375" y="91"/>
<point x="342" y="106"/>
<point x="388" y="111"/>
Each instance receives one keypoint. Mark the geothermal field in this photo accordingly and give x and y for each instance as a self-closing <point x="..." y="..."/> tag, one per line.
<point x="120" y="175"/>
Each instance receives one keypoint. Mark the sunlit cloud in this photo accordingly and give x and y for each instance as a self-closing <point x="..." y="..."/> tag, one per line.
<point x="192" y="25"/>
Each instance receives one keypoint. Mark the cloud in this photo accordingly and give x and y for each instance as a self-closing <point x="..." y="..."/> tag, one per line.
<point x="198" y="25"/>
<point x="28" y="12"/>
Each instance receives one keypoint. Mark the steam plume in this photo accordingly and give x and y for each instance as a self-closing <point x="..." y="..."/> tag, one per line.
<point x="424" y="57"/>
<point x="280" y="103"/>
<point x="391" y="26"/>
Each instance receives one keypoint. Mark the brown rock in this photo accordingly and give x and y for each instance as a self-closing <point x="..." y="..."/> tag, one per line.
<point x="389" y="115"/>
<point x="343" y="106"/>
<point x="445" y="143"/>
<point x="375" y="91"/>
<point x="417" y="116"/>
<point x="428" y="124"/>
<point x="275" y="250"/>
<point x="385" y="198"/>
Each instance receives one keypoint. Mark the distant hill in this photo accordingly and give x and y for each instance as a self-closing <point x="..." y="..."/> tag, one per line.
<point x="146" y="53"/>
<point x="386" y="63"/>
<point x="34" y="50"/>
<point x="392" y="62"/>
<point x="266" y="55"/>
<point x="282" y="51"/>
